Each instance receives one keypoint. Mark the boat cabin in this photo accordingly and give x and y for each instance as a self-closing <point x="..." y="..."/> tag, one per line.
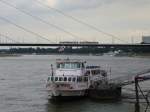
<point x="95" y="70"/>
<point x="69" y="64"/>
<point x="70" y="67"/>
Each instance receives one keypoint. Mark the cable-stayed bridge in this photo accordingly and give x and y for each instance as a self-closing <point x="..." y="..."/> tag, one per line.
<point x="49" y="24"/>
<point x="74" y="45"/>
<point x="8" y="41"/>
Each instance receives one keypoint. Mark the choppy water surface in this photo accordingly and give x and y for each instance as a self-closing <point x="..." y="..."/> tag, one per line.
<point x="22" y="84"/>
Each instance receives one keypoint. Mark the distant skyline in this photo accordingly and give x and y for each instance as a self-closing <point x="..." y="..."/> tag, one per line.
<point x="126" y="19"/>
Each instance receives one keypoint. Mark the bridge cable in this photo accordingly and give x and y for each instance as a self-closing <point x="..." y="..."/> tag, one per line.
<point x="80" y="21"/>
<point x="24" y="29"/>
<point x="43" y="21"/>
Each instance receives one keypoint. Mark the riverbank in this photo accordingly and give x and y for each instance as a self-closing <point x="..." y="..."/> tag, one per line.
<point x="142" y="55"/>
<point x="138" y="55"/>
<point x="10" y="55"/>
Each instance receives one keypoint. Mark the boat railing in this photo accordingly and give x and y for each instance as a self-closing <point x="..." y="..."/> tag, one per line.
<point x="98" y="77"/>
<point x="77" y="79"/>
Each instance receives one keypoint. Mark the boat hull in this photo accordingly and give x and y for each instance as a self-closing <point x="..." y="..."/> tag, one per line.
<point x="66" y="98"/>
<point x="67" y="95"/>
<point x="111" y="94"/>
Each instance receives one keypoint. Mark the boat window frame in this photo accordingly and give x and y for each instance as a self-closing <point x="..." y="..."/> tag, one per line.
<point x="70" y="65"/>
<point x="85" y="79"/>
<point x="95" y="72"/>
<point x="48" y="79"/>
<point x="65" y="79"/>
<point x="79" y="79"/>
<point x="88" y="72"/>
<point x="60" y="79"/>
<point x="82" y="65"/>
<point x="70" y="79"/>
<point x="56" y="78"/>
<point x="52" y="78"/>
<point x="74" y="79"/>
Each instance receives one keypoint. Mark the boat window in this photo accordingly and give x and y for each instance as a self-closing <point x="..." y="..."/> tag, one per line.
<point x="52" y="78"/>
<point x="74" y="79"/>
<point x="69" y="79"/>
<point x="48" y="78"/>
<point x="62" y="65"/>
<point x="95" y="72"/>
<point x="58" y="65"/>
<point x="85" y="79"/>
<point x="79" y="79"/>
<point x="56" y="78"/>
<point x="78" y="65"/>
<point x="60" y="78"/>
<point x="87" y="72"/>
<point x="65" y="78"/>
<point x="83" y="65"/>
<point x="69" y="65"/>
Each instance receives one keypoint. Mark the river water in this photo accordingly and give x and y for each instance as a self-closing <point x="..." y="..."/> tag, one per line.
<point x="22" y="83"/>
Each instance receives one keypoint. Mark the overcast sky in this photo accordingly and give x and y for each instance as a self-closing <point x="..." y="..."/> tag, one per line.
<point x="125" y="19"/>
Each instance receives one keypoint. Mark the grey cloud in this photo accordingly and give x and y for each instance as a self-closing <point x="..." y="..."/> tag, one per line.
<point x="77" y="4"/>
<point x="86" y="4"/>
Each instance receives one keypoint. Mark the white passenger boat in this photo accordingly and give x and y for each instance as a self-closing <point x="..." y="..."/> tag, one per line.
<point x="72" y="78"/>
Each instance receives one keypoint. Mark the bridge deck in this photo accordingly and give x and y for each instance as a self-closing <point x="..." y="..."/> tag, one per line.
<point x="92" y="45"/>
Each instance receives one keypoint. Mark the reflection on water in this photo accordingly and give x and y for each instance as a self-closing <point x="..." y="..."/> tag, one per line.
<point x="67" y="106"/>
<point x="87" y="105"/>
<point x="22" y="84"/>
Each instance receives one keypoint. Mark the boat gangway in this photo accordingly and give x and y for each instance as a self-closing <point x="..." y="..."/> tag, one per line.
<point x="129" y="79"/>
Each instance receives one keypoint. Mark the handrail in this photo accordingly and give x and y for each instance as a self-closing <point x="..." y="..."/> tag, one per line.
<point x="129" y="79"/>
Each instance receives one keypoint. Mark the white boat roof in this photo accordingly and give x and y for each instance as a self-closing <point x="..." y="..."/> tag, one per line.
<point x="69" y="60"/>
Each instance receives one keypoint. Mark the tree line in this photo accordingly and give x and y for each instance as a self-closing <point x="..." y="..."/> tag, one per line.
<point x="80" y="50"/>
